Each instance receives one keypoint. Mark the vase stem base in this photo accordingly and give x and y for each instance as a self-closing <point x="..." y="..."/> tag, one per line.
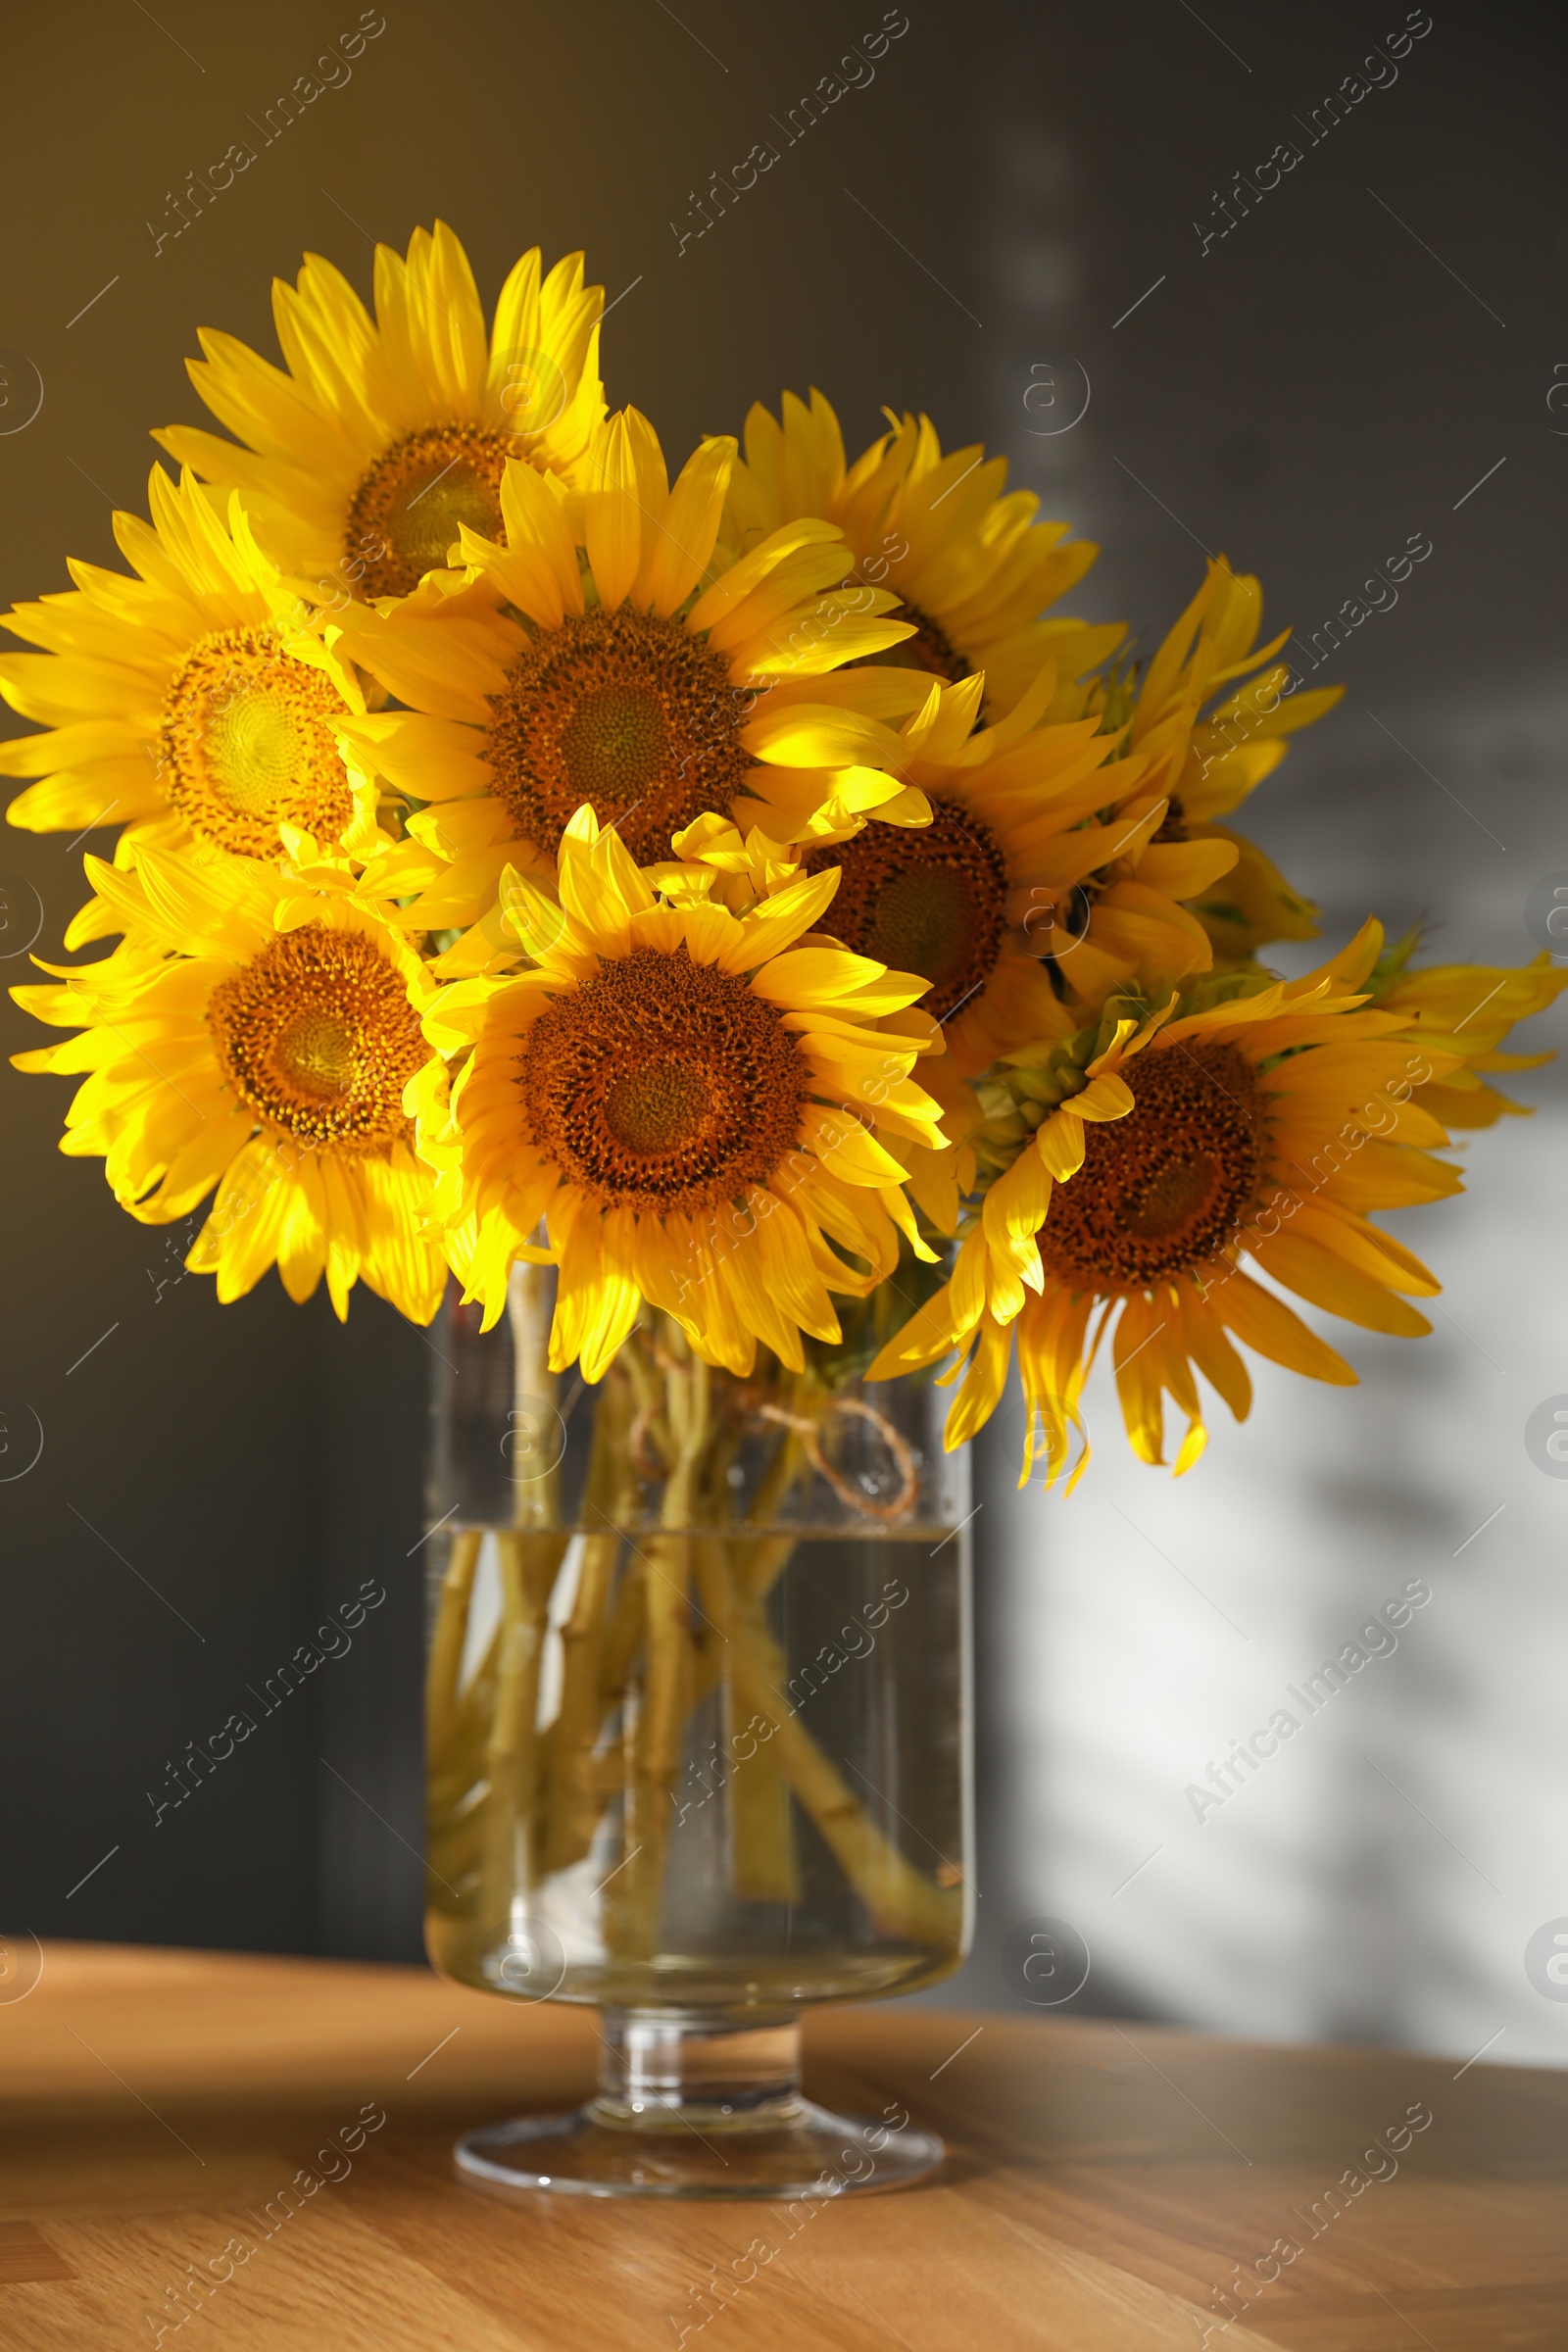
<point x="809" y="2153"/>
<point x="688" y="2107"/>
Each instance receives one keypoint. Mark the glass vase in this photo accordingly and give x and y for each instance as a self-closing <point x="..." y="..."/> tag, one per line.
<point x="696" y="1734"/>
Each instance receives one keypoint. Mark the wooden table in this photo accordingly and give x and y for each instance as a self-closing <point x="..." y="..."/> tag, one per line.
<point x="1104" y="2184"/>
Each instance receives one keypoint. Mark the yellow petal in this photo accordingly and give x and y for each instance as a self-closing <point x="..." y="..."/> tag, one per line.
<point x="611" y="516"/>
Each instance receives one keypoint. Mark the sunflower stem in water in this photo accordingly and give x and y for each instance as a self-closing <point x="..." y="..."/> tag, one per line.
<point x="528" y="1564"/>
<point x="643" y="1646"/>
<point x="447" y="1643"/>
<point x="763" y="1863"/>
<point x="901" y="1899"/>
<point x="570" y="1806"/>
<point x="667" y="1580"/>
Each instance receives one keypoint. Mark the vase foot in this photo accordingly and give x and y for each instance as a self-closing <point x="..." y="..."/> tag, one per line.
<point x="809" y="2152"/>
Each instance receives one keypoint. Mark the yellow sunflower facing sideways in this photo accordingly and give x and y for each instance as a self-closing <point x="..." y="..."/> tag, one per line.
<point x="1131" y="1172"/>
<point x="250" y="1037"/>
<point x="973" y="568"/>
<point x="381" y="437"/>
<point x="188" y="703"/>
<point x="637" y="682"/>
<point x="693" y="1104"/>
<point x="1207" y="765"/>
<point x="1039" y="884"/>
<point x="1467" y="1009"/>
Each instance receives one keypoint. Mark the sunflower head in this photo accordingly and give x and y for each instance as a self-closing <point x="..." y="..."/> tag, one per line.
<point x="195" y="704"/>
<point x="662" y="1085"/>
<point x="315" y="1036"/>
<point x="412" y="502"/>
<point x="257" y="1038"/>
<point x="1125" y="1174"/>
<point x="384" y="436"/>
<point x="698" y="1110"/>
<point x="626" y="712"/>
<point x="637" y="691"/>
<point x="602" y="653"/>
<point x="246" y="745"/>
<point x="1038" y="883"/>
<point x="971" y="565"/>
<point x="1165" y="1189"/>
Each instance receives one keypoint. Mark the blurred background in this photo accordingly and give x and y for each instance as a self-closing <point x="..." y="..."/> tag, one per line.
<point x="1028" y="222"/>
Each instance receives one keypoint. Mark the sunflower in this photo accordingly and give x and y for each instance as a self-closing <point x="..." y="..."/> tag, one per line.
<point x="1205" y="766"/>
<point x="1041" y="883"/>
<point x="542" y="682"/>
<point x="362" y="456"/>
<point x="1467" y="1009"/>
<point x="973" y="568"/>
<point x="1131" y="1171"/>
<point x="688" y="1101"/>
<point x="254" y="1038"/>
<point x="190" y="704"/>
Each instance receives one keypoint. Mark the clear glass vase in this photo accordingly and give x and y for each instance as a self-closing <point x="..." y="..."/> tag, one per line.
<point x="696" y="1734"/>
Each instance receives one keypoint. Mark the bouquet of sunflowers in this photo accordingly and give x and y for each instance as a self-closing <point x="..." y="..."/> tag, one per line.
<point x="742" y="904"/>
<point x="729" y="891"/>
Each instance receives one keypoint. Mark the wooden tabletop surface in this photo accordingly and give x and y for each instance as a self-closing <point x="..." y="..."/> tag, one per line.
<point x="1106" y="2186"/>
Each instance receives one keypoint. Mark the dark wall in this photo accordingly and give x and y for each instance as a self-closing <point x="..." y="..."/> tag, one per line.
<point x="1303" y="393"/>
<point x="1305" y="377"/>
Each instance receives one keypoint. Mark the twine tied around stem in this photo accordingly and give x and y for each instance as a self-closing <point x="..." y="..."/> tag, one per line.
<point x="647" y="1466"/>
<point x="897" y="1447"/>
<point x="648" y="1437"/>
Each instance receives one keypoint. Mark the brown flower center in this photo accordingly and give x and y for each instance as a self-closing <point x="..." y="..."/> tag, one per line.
<point x="317" y="1035"/>
<point x="662" y="1085"/>
<point x="410" y="504"/>
<point x="928" y="900"/>
<point x="1167" y="1187"/>
<point x="245" y="744"/>
<point x="626" y="710"/>
<point x="930" y="649"/>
